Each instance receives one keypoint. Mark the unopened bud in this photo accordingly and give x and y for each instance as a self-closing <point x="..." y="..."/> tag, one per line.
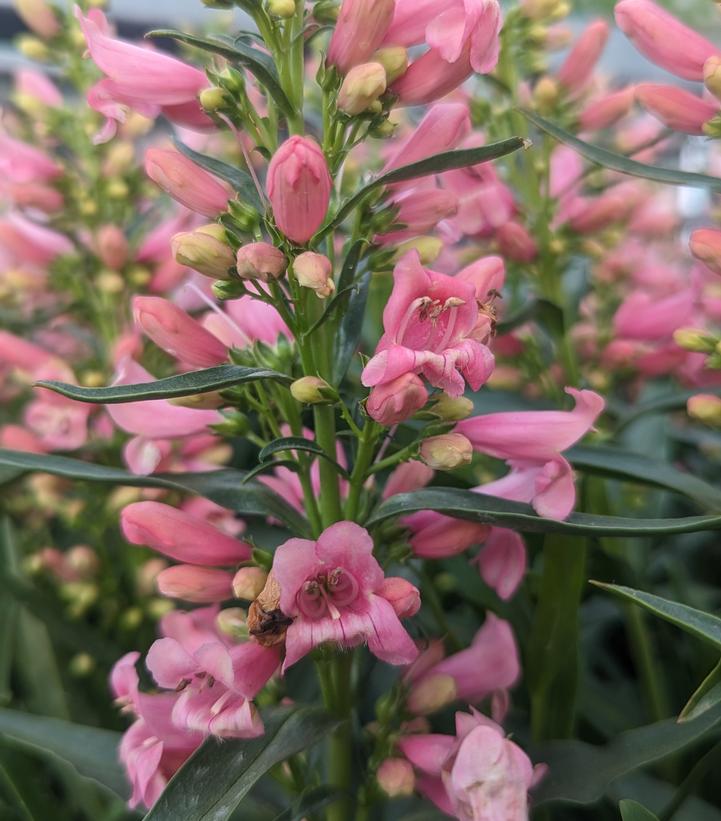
<point x="213" y="99"/>
<point x="452" y="409"/>
<point x="248" y="583"/>
<point x="260" y="260"/>
<point x="326" y="11"/>
<point x="81" y="665"/>
<point x="396" y="777"/>
<point x="314" y="271"/>
<point x="112" y="246"/>
<point x="234" y="424"/>
<point x="39" y="16"/>
<point x="394" y="60"/>
<point x="362" y="86"/>
<point x="712" y="75"/>
<point x="82" y="561"/>
<point x="205" y="250"/>
<point x="110" y="282"/>
<point x="429" y="249"/>
<point x="706" y="408"/>
<point x="311" y="390"/>
<point x="693" y="339"/>
<point x="545" y="9"/>
<point x="233" y="622"/>
<point x="117" y="189"/>
<point x="432" y="693"/>
<point x="32" y="48"/>
<point x="546" y="94"/>
<point x="120" y="156"/>
<point x="282" y="8"/>
<point x="446" y="452"/>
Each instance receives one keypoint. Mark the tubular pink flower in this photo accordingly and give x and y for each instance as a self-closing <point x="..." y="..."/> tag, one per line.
<point x="705" y="245"/>
<point x="36" y="85"/>
<point x="180" y="536"/>
<point x="664" y="39"/>
<point x="395" y="401"/>
<point x="577" y="69"/>
<point x="359" y="31"/>
<point x="177" y="333"/>
<point x="433" y="327"/>
<point x="502" y="561"/>
<point x="606" y="110"/>
<point x="641" y="316"/>
<point x="333" y="589"/>
<point x="23" y="163"/>
<point x="202" y="585"/>
<point x="299" y="187"/>
<point x="676" y="108"/>
<point x="186" y="182"/>
<point x="30" y="242"/>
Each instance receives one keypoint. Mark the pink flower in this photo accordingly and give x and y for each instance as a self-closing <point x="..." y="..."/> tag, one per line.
<point x="39" y="16"/>
<point x="186" y="182"/>
<point x="502" y="561"/>
<point x="31" y="242"/>
<point x="577" y="69"/>
<point x="676" y="108"/>
<point x="141" y="79"/>
<point x="173" y="330"/>
<point x="60" y="424"/>
<point x="358" y="32"/>
<point x="334" y="591"/>
<point x="433" y="327"/>
<point x="665" y="40"/>
<point x="299" y="187"/>
<point x="642" y="316"/>
<point x="516" y="243"/>
<point x="180" y="535"/>
<point x="395" y="401"/>
<point x="603" y="111"/>
<point x="23" y="163"/>
<point x="705" y="244"/>
<point x="406" y="478"/>
<point x="202" y="585"/>
<point x="37" y="86"/>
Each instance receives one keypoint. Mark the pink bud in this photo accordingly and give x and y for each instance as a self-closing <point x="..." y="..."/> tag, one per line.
<point x="432" y="693"/>
<point x="260" y="260"/>
<point x="112" y="246"/>
<point x="396" y="778"/>
<point x="177" y="333"/>
<point x="248" y="583"/>
<point x="359" y="31"/>
<point x="676" y="108"/>
<point x="202" y="585"/>
<point x="516" y="243"/>
<point x="36" y="86"/>
<point x="705" y="245"/>
<point x="394" y="402"/>
<point x="446" y="452"/>
<point x="665" y="40"/>
<point x="577" y="68"/>
<point x="39" y="17"/>
<point x="604" y="111"/>
<point x="314" y="271"/>
<point x="403" y="596"/>
<point x="299" y="187"/>
<point x="180" y="536"/>
<point x="187" y="182"/>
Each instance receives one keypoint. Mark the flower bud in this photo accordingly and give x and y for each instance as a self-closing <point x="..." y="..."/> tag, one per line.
<point x="260" y="260"/>
<point x="187" y="182"/>
<point x="544" y="9"/>
<point x="394" y="60"/>
<point x="112" y="246"/>
<point x="39" y="17"/>
<point x="299" y="187"/>
<point x="705" y="245"/>
<point x="516" y="243"/>
<point x="694" y="339"/>
<point x="429" y="249"/>
<point x="451" y="450"/>
<point x="432" y="693"/>
<point x="395" y="401"/>
<point x="213" y="99"/>
<point x="361" y="27"/>
<point x="396" y="778"/>
<point x="403" y="596"/>
<point x="314" y="271"/>
<point x="201" y="585"/>
<point x="712" y="75"/>
<point x="362" y="86"/>
<point x="706" y="408"/>
<point x="205" y="250"/>
<point x="546" y="93"/>
<point x="32" y="48"/>
<point x="82" y="561"/>
<point x="326" y="11"/>
<point x="110" y="282"/>
<point x="249" y="582"/>
<point x="452" y="410"/>
<point x="282" y="8"/>
<point x="311" y="390"/>
<point x="233" y="622"/>
<point x="676" y="108"/>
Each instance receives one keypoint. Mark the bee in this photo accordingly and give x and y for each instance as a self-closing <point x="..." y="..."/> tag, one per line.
<point x="266" y="621"/>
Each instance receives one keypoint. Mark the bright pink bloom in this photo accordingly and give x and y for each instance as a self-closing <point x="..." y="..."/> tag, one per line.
<point x="299" y="187"/>
<point x="202" y="585"/>
<point x="23" y="163"/>
<point x="334" y="591"/>
<point x="577" y="69"/>
<point x="180" y="536"/>
<point x="61" y="424"/>
<point x="502" y="561"/>
<point x="406" y="478"/>
<point x="607" y="109"/>
<point x="173" y="330"/>
<point x="420" y="209"/>
<point x="359" y="31"/>
<point x="664" y="39"/>
<point x="38" y="86"/>
<point x="705" y="245"/>
<point x="186" y="182"/>
<point x="433" y="327"/>
<point x="444" y="126"/>
<point x="643" y="316"/>
<point x="395" y="401"/>
<point x="141" y="79"/>
<point x="676" y="108"/>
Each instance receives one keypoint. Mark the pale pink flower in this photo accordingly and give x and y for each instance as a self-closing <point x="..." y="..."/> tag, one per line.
<point x="705" y="244"/>
<point x="606" y="109"/>
<point x="201" y="585"/>
<point x="334" y="591"/>
<point x="444" y="126"/>
<point x="359" y="31"/>
<point x="576" y="70"/>
<point x="393" y="402"/>
<point x="676" y="108"/>
<point x="187" y="182"/>
<point x="23" y="163"/>
<point x="31" y="242"/>
<point x="37" y="86"/>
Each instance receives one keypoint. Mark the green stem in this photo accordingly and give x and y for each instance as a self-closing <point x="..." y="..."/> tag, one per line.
<point x="366" y="448"/>
<point x="645" y="661"/>
<point x="341" y="741"/>
<point x="329" y="497"/>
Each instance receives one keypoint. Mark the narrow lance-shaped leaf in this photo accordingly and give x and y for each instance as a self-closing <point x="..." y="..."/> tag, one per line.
<point x="349" y="331"/>
<point x="295" y="443"/>
<point x="617" y="162"/>
<point x="184" y="384"/>
<point x="437" y="164"/>
<point x="706" y="696"/>
<point x="236" y="765"/>
<point x="675" y="401"/>
<point x="477" y="507"/>
<point x="633" y="811"/>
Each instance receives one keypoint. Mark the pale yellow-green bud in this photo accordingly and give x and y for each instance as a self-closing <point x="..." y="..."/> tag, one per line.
<point x="396" y="777"/>
<point x="200" y="401"/>
<point x="361" y="88"/>
<point x="282" y="8"/>
<point x="326" y="11"/>
<point x="546" y="93"/>
<point x="205" y="250"/>
<point x="446" y="452"/>
<point x="712" y="76"/>
<point x="431" y="694"/>
<point x="139" y="275"/>
<point x="394" y="60"/>
<point x="81" y="665"/>
<point x="706" y="408"/>
<point x="92" y="379"/>
<point x="120" y="157"/>
<point x="117" y="189"/>
<point x="213" y="99"/>
<point x="694" y="339"/>
<point x="453" y="409"/>
<point x="248" y="583"/>
<point x="32" y="48"/>
<point x="429" y="248"/>
<point x="233" y="622"/>
<point x="110" y="282"/>
<point x="311" y="390"/>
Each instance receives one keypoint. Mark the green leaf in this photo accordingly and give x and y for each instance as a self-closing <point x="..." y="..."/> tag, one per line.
<point x="696" y="622"/>
<point x="446" y="161"/>
<point x="675" y="401"/>
<point x="224" y="487"/>
<point x="309" y="803"/>
<point x="8" y="612"/>
<point x="707" y="695"/>
<point x="93" y="752"/>
<point x="581" y="773"/>
<point x="541" y="310"/>
<point x="257" y="62"/>
<point x="235" y="765"/>
<point x="633" y="811"/>
<point x="617" y="162"/>
<point x="240" y="180"/>
<point x="477" y="507"/>
<point x="184" y="384"/>
<point x="290" y="443"/>
<point x="623" y="464"/>
<point x="351" y="327"/>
